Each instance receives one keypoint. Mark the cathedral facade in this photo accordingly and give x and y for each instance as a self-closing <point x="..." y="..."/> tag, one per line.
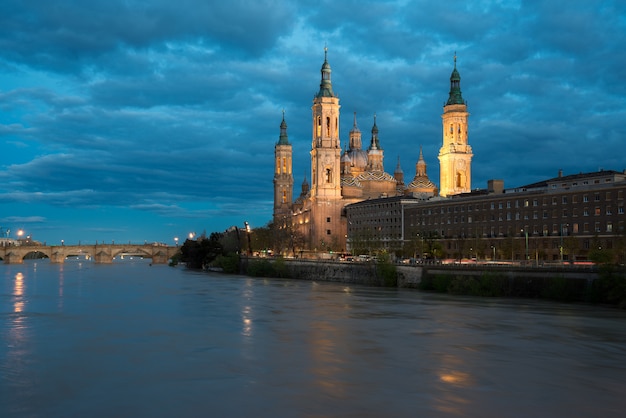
<point x="340" y="178"/>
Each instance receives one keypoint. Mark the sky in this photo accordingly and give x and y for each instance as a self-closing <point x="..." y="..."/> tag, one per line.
<point x="144" y="121"/>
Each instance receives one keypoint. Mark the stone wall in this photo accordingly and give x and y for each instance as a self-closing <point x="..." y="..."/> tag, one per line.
<point x="411" y="276"/>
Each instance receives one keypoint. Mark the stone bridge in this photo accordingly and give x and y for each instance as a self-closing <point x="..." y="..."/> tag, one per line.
<point x="99" y="253"/>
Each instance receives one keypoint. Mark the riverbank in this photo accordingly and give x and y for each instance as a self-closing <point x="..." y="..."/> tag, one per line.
<point x="606" y="285"/>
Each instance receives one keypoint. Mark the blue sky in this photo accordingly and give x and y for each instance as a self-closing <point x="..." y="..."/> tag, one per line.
<point x="144" y="121"/>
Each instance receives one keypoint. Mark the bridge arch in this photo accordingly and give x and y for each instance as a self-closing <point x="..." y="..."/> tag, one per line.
<point x="133" y="251"/>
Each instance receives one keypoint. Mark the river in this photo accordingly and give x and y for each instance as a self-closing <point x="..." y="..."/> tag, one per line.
<point x="133" y="339"/>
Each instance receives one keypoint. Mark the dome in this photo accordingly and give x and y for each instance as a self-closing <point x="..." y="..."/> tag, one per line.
<point x="421" y="183"/>
<point x="375" y="176"/>
<point x="359" y="158"/>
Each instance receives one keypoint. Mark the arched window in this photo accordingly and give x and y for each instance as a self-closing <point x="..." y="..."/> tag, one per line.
<point x="319" y="126"/>
<point x="284" y="165"/>
<point x="327" y="126"/>
<point x="284" y="196"/>
<point x="329" y="175"/>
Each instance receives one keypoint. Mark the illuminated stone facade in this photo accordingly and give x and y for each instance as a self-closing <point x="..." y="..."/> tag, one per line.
<point x="337" y="178"/>
<point x="455" y="155"/>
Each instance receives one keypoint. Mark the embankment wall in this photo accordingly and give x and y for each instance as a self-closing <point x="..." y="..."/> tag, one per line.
<point x="411" y="276"/>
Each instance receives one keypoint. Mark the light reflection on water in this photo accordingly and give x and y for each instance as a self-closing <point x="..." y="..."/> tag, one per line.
<point x="82" y="339"/>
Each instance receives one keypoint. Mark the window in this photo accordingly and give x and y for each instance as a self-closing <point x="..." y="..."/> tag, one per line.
<point x="585" y="212"/>
<point x="609" y="226"/>
<point x="564" y="200"/>
<point x="597" y="211"/>
<point x="620" y="210"/>
<point x="328" y="219"/>
<point x="597" y="197"/>
<point x="609" y="211"/>
<point x="535" y="202"/>
<point x="328" y="232"/>
<point x="585" y="198"/>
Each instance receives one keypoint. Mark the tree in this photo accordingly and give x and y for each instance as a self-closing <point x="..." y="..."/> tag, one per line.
<point x="201" y="252"/>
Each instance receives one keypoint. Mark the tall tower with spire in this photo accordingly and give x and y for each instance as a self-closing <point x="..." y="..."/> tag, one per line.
<point x="325" y="148"/>
<point x="455" y="155"/>
<point x="326" y="198"/>
<point x="283" y="176"/>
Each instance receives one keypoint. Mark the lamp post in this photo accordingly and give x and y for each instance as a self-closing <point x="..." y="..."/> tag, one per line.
<point x="561" y="248"/>
<point x="525" y="232"/>
<point x="176" y="241"/>
<point x="248" y="230"/>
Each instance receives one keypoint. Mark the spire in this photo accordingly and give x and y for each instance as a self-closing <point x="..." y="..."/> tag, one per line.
<point x="326" y="87"/>
<point x="455" y="86"/>
<point x="375" y="144"/>
<point x="354" y="127"/>
<point x="398" y="168"/>
<point x="420" y="167"/>
<point x="399" y="175"/>
<point x="283" y="140"/>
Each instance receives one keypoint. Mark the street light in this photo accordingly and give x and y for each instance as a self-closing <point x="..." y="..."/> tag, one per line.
<point x="176" y="241"/>
<point x="525" y="232"/>
<point x="248" y="230"/>
<point x="561" y="249"/>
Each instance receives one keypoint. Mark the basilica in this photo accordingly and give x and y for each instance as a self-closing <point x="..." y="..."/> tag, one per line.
<point x="354" y="174"/>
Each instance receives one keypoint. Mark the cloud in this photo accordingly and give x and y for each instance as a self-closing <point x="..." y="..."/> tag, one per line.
<point x="23" y="219"/>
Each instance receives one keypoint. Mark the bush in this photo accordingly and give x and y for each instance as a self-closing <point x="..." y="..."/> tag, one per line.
<point x="260" y="268"/>
<point x="228" y="263"/>
<point x="387" y="271"/>
<point x="609" y="288"/>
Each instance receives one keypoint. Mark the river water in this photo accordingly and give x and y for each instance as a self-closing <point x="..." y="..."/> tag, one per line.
<point x="131" y="339"/>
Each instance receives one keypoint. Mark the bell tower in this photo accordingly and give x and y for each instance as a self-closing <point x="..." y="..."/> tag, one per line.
<point x="325" y="147"/>
<point x="328" y="229"/>
<point x="455" y="155"/>
<point x="283" y="176"/>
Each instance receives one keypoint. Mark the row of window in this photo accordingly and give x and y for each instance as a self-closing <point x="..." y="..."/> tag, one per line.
<point x="565" y="213"/>
<point x="554" y="200"/>
<point x="540" y="230"/>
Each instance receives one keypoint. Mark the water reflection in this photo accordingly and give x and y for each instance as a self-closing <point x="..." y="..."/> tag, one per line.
<point x="18" y="293"/>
